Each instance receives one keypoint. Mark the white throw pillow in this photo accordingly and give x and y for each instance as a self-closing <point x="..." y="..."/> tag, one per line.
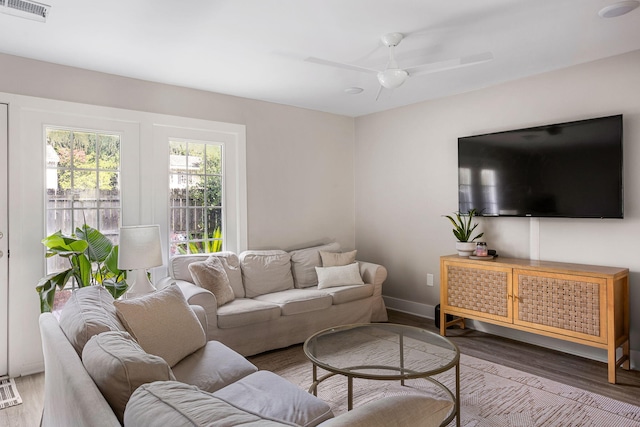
<point x="344" y="275"/>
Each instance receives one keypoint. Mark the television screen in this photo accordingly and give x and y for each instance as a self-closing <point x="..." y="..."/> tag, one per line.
<point x="569" y="170"/>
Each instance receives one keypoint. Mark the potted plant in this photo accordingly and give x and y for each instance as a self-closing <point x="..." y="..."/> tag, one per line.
<point x="463" y="229"/>
<point x="93" y="260"/>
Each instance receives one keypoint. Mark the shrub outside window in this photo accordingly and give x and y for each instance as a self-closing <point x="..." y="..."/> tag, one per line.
<point x="195" y="197"/>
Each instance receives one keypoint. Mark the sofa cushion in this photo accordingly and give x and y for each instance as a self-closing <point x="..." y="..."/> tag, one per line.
<point x="170" y="403"/>
<point x="179" y="268"/>
<point x="400" y="410"/>
<point x="296" y="301"/>
<point x="118" y="365"/>
<point x="334" y="259"/>
<point x="339" y="276"/>
<point x="212" y="367"/>
<point x="255" y="393"/>
<point x="163" y="324"/>
<point x="88" y="312"/>
<point x="264" y="272"/>
<point x="245" y="311"/>
<point x="304" y="263"/>
<point x="344" y="294"/>
<point x="211" y="275"/>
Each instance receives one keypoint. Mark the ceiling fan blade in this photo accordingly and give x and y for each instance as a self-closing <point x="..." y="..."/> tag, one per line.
<point x="379" y="92"/>
<point x="340" y="65"/>
<point x="464" y="61"/>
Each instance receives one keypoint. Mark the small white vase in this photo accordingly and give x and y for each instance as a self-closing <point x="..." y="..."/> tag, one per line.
<point x="465" y="248"/>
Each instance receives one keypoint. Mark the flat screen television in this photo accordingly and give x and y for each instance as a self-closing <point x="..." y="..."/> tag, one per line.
<point x="565" y="170"/>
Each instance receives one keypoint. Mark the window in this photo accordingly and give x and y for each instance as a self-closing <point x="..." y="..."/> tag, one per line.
<point x="82" y="183"/>
<point x="196" y="211"/>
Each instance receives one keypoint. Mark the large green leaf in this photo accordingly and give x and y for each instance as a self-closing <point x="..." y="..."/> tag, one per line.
<point x="93" y="259"/>
<point x="111" y="262"/>
<point x="47" y="286"/>
<point x="116" y="288"/>
<point x="64" y="246"/>
<point x="99" y="245"/>
<point x="82" y="270"/>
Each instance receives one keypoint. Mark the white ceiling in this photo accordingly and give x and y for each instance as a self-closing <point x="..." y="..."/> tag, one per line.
<point x="256" y="48"/>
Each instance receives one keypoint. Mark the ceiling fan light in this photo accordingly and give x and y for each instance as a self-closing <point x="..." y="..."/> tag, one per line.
<point x="392" y="78"/>
<point x="618" y="9"/>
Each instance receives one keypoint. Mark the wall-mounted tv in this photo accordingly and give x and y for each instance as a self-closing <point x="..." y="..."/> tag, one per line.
<point x="566" y="170"/>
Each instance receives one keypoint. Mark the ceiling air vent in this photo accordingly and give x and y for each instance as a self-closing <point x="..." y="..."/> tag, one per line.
<point x="25" y="9"/>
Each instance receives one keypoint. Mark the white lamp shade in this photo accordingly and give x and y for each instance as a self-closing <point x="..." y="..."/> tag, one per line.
<point x="140" y="247"/>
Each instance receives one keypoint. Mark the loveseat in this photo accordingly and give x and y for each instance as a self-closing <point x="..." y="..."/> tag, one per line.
<point x="277" y="298"/>
<point x="122" y="363"/>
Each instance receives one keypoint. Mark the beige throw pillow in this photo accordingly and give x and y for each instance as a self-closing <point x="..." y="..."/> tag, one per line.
<point x="118" y="366"/>
<point x="335" y="259"/>
<point x="343" y="275"/>
<point x="163" y="324"/>
<point x="210" y="274"/>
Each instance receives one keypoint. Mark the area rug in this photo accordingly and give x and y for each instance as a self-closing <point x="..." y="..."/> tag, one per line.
<point x="491" y="394"/>
<point x="9" y="395"/>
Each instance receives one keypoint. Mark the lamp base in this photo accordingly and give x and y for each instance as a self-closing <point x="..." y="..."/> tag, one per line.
<point x="139" y="284"/>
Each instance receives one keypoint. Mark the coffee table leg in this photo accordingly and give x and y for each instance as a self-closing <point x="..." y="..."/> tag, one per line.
<point x="401" y="356"/>
<point x="349" y="393"/>
<point x="458" y="394"/>
<point x="315" y="379"/>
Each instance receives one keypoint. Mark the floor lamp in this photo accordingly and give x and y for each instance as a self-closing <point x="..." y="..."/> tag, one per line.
<point x="139" y="250"/>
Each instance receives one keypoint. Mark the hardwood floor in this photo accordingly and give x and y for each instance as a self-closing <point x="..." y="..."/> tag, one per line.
<point x="562" y="367"/>
<point x="565" y="368"/>
<point x="31" y="389"/>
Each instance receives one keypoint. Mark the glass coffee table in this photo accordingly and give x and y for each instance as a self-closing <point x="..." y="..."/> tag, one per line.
<point x="384" y="351"/>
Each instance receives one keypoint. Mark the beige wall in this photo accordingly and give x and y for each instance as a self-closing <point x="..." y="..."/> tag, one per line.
<point x="299" y="162"/>
<point x="301" y="167"/>
<point x="299" y="171"/>
<point x="406" y="179"/>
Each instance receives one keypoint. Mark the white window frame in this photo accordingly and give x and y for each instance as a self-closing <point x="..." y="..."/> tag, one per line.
<point x="232" y="139"/>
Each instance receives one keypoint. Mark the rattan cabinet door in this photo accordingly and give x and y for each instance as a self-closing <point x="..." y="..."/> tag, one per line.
<point x="478" y="291"/>
<point x="569" y="305"/>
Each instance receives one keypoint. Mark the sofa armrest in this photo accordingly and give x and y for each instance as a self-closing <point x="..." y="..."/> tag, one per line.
<point x="372" y="273"/>
<point x="202" y="317"/>
<point x="407" y="410"/>
<point x="375" y="274"/>
<point x="164" y="282"/>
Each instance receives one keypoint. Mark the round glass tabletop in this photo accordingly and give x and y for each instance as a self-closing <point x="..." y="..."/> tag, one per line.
<point x="381" y="351"/>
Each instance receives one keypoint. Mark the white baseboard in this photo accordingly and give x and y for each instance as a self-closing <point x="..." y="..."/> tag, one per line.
<point x="427" y="311"/>
<point x="410" y="307"/>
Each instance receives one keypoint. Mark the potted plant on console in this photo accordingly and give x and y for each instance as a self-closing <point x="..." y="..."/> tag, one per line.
<point x="463" y="229"/>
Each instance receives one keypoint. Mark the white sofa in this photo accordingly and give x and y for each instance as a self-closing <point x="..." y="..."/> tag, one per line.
<point x="96" y="374"/>
<point x="277" y="300"/>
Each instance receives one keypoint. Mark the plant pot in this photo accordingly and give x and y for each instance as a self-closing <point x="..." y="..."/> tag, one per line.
<point x="465" y="248"/>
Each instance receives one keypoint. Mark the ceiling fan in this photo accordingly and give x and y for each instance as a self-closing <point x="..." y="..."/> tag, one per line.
<point x="392" y="76"/>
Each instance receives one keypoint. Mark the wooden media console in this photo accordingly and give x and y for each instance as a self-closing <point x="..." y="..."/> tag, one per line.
<point x="586" y="304"/>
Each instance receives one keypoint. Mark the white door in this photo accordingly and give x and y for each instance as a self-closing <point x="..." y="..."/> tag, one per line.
<point x="4" y="245"/>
